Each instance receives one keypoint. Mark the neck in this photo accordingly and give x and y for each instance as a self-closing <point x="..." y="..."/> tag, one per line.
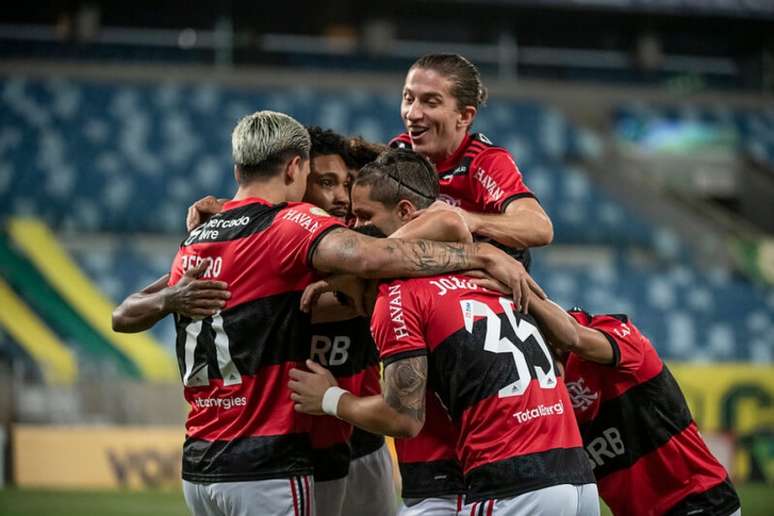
<point x="454" y="144"/>
<point x="272" y="190"/>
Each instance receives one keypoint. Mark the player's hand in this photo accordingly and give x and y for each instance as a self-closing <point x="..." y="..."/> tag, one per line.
<point x="466" y="217"/>
<point x="196" y="298"/>
<point x="309" y="388"/>
<point x="352" y="287"/>
<point x="312" y="293"/>
<point x="509" y="272"/>
<point x="200" y="211"/>
<point x="485" y="280"/>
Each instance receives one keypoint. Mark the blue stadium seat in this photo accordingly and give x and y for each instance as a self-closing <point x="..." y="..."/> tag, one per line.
<point x="126" y="158"/>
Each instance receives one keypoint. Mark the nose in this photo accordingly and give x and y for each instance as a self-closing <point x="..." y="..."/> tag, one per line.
<point x="413" y="112"/>
<point x="341" y="195"/>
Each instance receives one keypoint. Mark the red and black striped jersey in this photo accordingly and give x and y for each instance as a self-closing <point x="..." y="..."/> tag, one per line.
<point x="347" y="349"/>
<point x="234" y="365"/>
<point x="638" y="432"/>
<point x="428" y="461"/>
<point x="478" y="176"/>
<point x="496" y="378"/>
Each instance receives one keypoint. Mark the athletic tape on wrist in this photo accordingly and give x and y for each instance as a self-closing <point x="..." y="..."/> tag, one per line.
<point x="330" y="401"/>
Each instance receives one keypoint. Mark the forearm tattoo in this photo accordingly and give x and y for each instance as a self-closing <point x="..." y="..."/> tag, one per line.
<point x="408" y="257"/>
<point x="404" y="386"/>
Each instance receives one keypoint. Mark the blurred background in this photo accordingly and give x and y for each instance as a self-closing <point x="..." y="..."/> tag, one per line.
<point x="645" y="127"/>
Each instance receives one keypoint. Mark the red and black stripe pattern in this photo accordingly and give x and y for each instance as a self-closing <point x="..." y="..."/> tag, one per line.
<point x="347" y="349"/>
<point x="428" y="462"/>
<point x="494" y="374"/>
<point x="235" y="364"/>
<point x="638" y="431"/>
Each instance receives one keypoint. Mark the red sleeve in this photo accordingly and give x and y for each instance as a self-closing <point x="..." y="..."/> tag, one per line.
<point x="301" y="227"/>
<point x="395" y="323"/>
<point x="495" y="181"/>
<point x="629" y="345"/>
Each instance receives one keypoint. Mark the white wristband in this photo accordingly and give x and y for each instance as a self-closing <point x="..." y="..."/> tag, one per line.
<point x="330" y="401"/>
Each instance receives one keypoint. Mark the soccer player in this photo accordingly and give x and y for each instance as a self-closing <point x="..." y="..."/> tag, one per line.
<point x="486" y="362"/>
<point x="441" y="97"/>
<point x="639" y="434"/>
<point x="388" y="197"/>
<point x="246" y="451"/>
<point x="352" y="469"/>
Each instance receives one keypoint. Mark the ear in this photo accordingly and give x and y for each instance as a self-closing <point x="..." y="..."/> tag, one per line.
<point x="467" y="115"/>
<point x="405" y="209"/>
<point x="293" y="169"/>
<point x="237" y="175"/>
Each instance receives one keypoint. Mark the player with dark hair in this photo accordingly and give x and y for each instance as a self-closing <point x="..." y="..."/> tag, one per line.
<point x="362" y="152"/>
<point x="329" y="177"/>
<point x="441" y="97"/>
<point x="531" y="462"/>
<point x="639" y="434"/>
<point x="353" y="468"/>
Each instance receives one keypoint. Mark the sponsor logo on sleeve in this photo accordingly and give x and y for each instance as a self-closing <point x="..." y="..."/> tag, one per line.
<point x="489" y="184"/>
<point x="302" y="219"/>
<point x="396" y="312"/>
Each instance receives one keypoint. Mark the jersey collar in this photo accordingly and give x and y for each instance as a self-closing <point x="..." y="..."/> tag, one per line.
<point x="230" y="205"/>
<point x="456" y="156"/>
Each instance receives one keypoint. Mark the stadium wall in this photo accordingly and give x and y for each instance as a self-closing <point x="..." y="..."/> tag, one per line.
<point x="733" y="405"/>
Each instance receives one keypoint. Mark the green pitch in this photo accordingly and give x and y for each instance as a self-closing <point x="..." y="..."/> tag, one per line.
<point x="757" y="500"/>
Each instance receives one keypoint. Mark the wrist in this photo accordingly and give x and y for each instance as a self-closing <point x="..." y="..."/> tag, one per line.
<point x="330" y="400"/>
<point x="166" y="303"/>
<point x="472" y="220"/>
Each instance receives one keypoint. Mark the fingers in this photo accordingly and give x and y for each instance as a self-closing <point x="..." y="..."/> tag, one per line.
<point x="491" y="284"/>
<point x="315" y="367"/>
<point x="534" y="287"/>
<point x="206" y="304"/>
<point x="312" y="293"/>
<point x="516" y="291"/>
<point x="524" y="295"/>
<point x="192" y="218"/>
<point x="215" y="286"/>
<point x="198" y="313"/>
<point x="298" y="374"/>
<point x="203" y="209"/>
<point x="211" y="295"/>
<point x="199" y="268"/>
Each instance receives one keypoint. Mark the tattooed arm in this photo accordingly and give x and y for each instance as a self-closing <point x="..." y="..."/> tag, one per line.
<point x="345" y="251"/>
<point x="400" y="412"/>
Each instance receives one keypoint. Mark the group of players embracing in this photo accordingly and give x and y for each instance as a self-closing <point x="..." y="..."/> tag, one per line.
<point x="337" y="255"/>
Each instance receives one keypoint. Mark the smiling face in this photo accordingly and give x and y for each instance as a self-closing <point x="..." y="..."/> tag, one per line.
<point x="431" y="114"/>
<point x="328" y="185"/>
